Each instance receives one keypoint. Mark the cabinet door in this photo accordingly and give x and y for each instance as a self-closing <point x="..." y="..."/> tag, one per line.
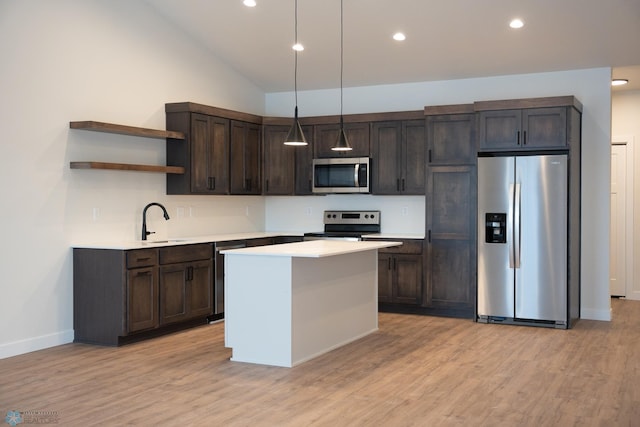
<point x="544" y="127"/>
<point x="142" y="299"/>
<point x="500" y="130"/>
<point x="245" y="158"/>
<point x="209" y="154"/>
<point x="304" y="164"/>
<point x="451" y="139"/>
<point x="408" y="279"/>
<point x="278" y="161"/>
<point x="326" y="136"/>
<point x="386" y="153"/>
<point x="200" y="289"/>
<point x="385" y="277"/>
<point x="413" y="157"/>
<point x="173" y="293"/>
<point x="451" y="239"/>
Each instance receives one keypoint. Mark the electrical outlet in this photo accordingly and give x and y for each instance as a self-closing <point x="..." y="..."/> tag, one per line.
<point x="95" y="212"/>
<point x="404" y="211"/>
<point x="309" y="211"/>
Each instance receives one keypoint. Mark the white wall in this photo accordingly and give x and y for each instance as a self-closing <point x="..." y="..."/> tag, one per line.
<point x="114" y="61"/>
<point x="626" y="123"/>
<point x="590" y="86"/>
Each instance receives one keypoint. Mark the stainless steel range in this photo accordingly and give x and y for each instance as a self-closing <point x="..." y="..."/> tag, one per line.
<point x="347" y="225"/>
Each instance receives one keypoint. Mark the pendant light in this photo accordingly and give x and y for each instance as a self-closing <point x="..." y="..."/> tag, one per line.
<point x="342" y="144"/>
<point x="295" y="135"/>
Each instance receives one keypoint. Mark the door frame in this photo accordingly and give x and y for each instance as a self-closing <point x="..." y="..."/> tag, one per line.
<point x="628" y="140"/>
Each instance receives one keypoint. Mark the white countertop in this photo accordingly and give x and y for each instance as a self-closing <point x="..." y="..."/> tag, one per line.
<point x="141" y="244"/>
<point x="313" y="249"/>
<point x="212" y="238"/>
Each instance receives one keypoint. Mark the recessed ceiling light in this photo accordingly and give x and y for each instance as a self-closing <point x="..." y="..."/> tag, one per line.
<point x="516" y="23"/>
<point x="249" y="3"/>
<point x="399" y="37"/>
<point x="298" y="47"/>
<point x="619" y="82"/>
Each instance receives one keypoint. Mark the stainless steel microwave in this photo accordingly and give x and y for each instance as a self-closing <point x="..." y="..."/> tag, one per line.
<point x="341" y="175"/>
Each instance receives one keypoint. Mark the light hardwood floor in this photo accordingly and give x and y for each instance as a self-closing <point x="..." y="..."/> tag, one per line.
<point x="415" y="371"/>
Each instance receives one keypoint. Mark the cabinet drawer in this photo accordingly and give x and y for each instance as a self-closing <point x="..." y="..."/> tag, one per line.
<point x="408" y="247"/>
<point x="142" y="258"/>
<point x="173" y="254"/>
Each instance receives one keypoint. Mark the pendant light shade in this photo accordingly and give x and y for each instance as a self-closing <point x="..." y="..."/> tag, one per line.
<point x="342" y="144"/>
<point x="295" y="135"/>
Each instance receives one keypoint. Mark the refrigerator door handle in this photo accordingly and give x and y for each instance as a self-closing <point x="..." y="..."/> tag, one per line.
<point x="517" y="226"/>
<point x="510" y="238"/>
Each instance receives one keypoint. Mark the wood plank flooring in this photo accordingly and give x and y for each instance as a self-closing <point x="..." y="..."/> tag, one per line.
<point x="415" y="371"/>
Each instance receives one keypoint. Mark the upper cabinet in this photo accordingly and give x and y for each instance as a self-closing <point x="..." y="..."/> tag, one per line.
<point x="532" y="124"/>
<point x="286" y="169"/>
<point x="398" y="157"/>
<point x="326" y="136"/>
<point x="451" y="137"/>
<point x="245" y="158"/>
<point x="220" y="153"/>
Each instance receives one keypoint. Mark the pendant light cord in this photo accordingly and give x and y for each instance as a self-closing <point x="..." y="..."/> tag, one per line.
<point x="341" y="58"/>
<point x="295" y="68"/>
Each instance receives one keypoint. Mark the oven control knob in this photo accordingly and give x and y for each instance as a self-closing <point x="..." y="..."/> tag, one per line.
<point x="372" y="216"/>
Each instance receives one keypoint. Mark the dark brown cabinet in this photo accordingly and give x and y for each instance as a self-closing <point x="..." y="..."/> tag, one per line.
<point x="533" y="128"/>
<point x="245" y="159"/>
<point x="220" y="153"/>
<point x="451" y="204"/>
<point x="326" y="136"/>
<point x="186" y="282"/>
<point x="124" y="295"/>
<point x="279" y="162"/>
<point x="209" y="154"/>
<point x="451" y="240"/>
<point x="142" y="297"/>
<point x="400" y="274"/>
<point x="398" y="156"/>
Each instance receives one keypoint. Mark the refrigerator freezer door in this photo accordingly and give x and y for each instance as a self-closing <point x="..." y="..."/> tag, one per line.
<point x="495" y="277"/>
<point x="541" y="280"/>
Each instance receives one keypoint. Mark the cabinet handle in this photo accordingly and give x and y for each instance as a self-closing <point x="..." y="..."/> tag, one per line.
<point x="143" y="273"/>
<point x="247" y="184"/>
<point x="143" y="259"/>
<point x="429" y="155"/>
<point x="398" y="185"/>
<point x="402" y="184"/>
<point x="212" y="183"/>
<point x="266" y="185"/>
<point x="310" y="186"/>
<point x="189" y="273"/>
<point x="394" y="263"/>
<point x="389" y="264"/>
<point x="518" y="137"/>
<point x="429" y="236"/>
<point x="524" y="138"/>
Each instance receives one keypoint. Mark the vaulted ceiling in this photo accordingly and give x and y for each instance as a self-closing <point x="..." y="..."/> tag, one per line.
<point x="446" y="40"/>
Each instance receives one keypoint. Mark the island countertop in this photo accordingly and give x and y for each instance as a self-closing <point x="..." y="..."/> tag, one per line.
<point x="313" y="248"/>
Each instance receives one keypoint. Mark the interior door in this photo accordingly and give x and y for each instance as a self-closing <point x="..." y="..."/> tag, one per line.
<point x="617" y="266"/>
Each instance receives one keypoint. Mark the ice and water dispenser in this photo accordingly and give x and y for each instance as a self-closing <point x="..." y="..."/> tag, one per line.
<point x="496" y="228"/>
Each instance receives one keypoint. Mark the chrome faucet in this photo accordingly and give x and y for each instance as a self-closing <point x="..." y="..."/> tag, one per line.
<point x="145" y="233"/>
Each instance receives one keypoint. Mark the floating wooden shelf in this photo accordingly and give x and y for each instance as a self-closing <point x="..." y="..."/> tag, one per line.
<point x="127" y="167"/>
<point x="126" y="130"/>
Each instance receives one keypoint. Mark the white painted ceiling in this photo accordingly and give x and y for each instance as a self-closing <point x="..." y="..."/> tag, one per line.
<point x="446" y="39"/>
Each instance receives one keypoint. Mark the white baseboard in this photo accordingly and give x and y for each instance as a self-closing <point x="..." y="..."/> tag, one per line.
<point x="37" y="343"/>
<point x="595" y="314"/>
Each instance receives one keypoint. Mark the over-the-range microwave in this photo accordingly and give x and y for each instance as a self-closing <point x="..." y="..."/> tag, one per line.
<point x="341" y="175"/>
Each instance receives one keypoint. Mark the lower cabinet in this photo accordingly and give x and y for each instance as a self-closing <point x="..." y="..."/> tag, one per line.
<point x="124" y="295"/>
<point x="400" y="273"/>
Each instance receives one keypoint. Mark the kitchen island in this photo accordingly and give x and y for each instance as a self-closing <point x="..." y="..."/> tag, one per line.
<point x="286" y="304"/>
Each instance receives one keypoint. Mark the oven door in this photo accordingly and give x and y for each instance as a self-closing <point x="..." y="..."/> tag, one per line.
<point x="341" y="175"/>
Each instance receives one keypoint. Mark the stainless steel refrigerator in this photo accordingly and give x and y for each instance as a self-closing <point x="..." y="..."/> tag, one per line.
<point x="523" y="238"/>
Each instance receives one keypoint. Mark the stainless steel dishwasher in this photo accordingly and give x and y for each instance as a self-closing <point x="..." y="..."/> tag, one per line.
<point x="218" y="294"/>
